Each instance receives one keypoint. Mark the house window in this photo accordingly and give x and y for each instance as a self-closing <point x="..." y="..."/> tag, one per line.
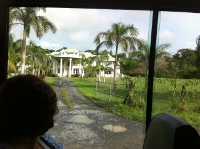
<point x="76" y="71"/>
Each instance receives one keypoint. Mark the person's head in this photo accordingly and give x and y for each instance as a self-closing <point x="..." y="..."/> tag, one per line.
<point x="27" y="106"/>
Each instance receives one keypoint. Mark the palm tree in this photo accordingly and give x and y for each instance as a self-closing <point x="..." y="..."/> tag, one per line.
<point x="14" y="55"/>
<point x="90" y="69"/>
<point x="39" y="59"/>
<point x="99" y="62"/>
<point x="27" y="16"/>
<point x="143" y="53"/>
<point x="87" y="66"/>
<point x="120" y="35"/>
<point x="83" y="62"/>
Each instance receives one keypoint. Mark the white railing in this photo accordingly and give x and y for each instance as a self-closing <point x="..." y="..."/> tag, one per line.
<point x="68" y="55"/>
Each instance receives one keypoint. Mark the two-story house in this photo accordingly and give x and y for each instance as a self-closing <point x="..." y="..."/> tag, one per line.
<point x="68" y="62"/>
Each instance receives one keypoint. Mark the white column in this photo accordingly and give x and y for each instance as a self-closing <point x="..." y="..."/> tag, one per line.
<point x="70" y="67"/>
<point x="64" y="68"/>
<point x="56" y="66"/>
<point x="80" y="68"/>
<point x="61" y="67"/>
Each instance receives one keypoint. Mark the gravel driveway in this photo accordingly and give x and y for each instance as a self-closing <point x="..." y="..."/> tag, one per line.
<point x="88" y="126"/>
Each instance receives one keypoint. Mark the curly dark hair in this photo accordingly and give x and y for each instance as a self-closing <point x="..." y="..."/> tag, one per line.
<point x="27" y="106"/>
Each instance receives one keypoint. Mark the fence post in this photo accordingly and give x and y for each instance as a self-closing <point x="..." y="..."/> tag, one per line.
<point x="110" y="91"/>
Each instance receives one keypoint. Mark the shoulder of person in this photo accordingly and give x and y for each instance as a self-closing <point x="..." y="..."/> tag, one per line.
<point x="51" y="142"/>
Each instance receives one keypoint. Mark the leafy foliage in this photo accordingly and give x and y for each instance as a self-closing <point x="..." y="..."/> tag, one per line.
<point x="27" y="16"/>
<point x="119" y="35"/>
<point x="75" y="75"/>
<point x="64" y="93"/>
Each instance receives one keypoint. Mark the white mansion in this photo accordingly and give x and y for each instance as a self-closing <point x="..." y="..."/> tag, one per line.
<point x="68" y="62"/>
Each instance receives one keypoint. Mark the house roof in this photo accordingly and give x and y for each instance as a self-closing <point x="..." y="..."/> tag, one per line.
<point x="53" y="53"/>
<point x="87" y="54"/>
<point x="70" y="51"/>
<point x="110" y="58"/>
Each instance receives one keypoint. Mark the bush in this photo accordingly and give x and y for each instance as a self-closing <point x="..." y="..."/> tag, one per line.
<point x="75" y="75"/>
<point x="197" y="107"/>
<point x="53" y="75"/>
<point x="139" y="103"/>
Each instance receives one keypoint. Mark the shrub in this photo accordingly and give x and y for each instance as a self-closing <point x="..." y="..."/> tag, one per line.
<point x="138" y="103"/>
<point x="75" y="75"/>
<point x="197" y="107"/>
<point x="132" y="100"/>
<point x="53" y="75"/>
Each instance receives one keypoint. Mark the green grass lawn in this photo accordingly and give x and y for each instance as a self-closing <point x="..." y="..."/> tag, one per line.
<point x="51" y="80"/>
<point x="165" y="91"/>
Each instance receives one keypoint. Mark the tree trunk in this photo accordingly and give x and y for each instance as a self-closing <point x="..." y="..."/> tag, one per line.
<point x="23" y="57"/>
<point x="99" y="79"/>
<point x="23" y="52"/>
<point x="104" y="78"/>
<point x="115" y="76"/>
<point x="115" y="69"/>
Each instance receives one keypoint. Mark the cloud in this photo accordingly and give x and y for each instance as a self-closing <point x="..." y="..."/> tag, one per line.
<point x="165" y="33"/>
<point x="46" y="44"/>
<point x="180" y="29"/>
<point x="68" y="19"/>
<point x="143" y="36"/>
<point x="81" y="36"/>
<point x="191" y="44"/>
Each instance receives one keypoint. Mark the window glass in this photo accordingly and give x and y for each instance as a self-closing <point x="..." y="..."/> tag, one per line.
<point x="76" y="48"/>
<point x="177" y="71"/>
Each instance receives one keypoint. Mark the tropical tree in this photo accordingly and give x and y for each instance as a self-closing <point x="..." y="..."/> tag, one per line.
<point x="185" y="63"/>
<point x="28" y="17"/>
<point x="83" y="62"/>
<point x="128" y="66"/>
<point x="143" y="53"/>
<point x="103" y="56"/>
<point x="11" y="51"/>
<point x="91" y="51"/>
<point x="90" y="69"/>
<point x="14" y="55"/>
<point x="39" y="59"/>
<point x="87" y="66"/>
<point x="120" y="36"/>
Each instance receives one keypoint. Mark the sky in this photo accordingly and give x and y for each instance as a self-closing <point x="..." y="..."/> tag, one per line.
<point x="77" y="28"/>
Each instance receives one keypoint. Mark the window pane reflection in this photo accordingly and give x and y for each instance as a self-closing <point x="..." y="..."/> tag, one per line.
<point x="61" y="54"/>
<point x="177" y="73"/>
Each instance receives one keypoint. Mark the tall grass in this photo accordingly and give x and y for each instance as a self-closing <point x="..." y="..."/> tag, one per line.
<point x="65" y="95"/>
<point x="166" y="91"/>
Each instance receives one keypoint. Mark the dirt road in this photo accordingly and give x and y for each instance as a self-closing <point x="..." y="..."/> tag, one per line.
<point x="88" y="126"/>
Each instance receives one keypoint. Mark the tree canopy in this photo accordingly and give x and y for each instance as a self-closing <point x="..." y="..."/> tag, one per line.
<point x="28" y="17"/>
<point x="121" y="36"/>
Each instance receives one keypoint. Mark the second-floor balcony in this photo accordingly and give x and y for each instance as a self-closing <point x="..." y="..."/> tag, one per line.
<point x="73" y="55"/>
